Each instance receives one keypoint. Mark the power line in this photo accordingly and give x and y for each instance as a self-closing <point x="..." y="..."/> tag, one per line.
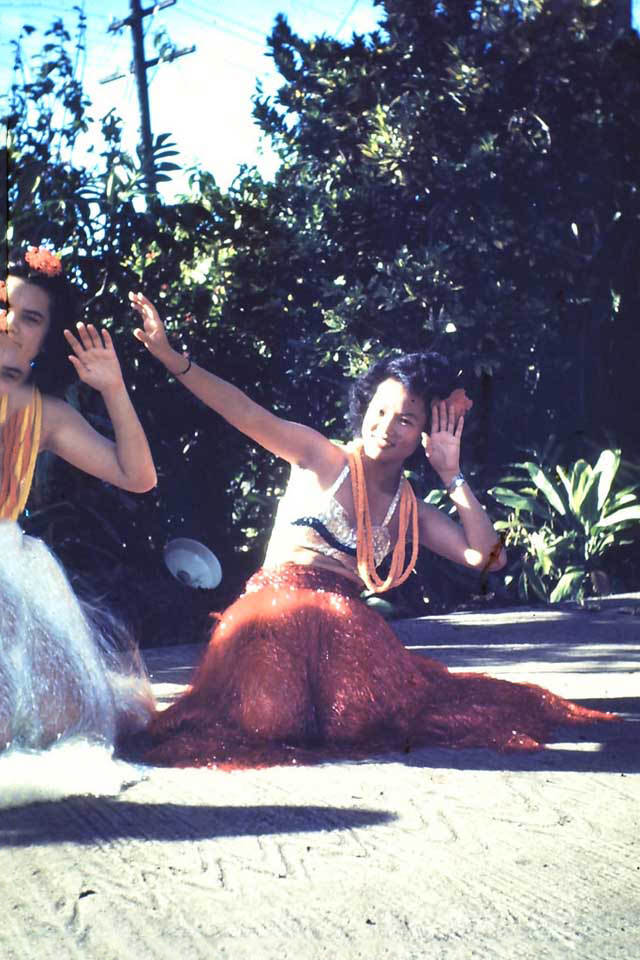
<point x="220" y="30"/>
<point x="347" y="17"/>
<point x="213" y="24"/>
<point x="214" y="15"/>
<point x="61" y="9"/>
<point x="310" y="6"/>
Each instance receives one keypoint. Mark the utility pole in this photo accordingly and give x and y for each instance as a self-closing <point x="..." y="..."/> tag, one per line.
<point x="139" y="68"/>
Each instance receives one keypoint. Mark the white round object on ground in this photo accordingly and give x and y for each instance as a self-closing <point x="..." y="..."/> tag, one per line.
<point x="192" y="563"/>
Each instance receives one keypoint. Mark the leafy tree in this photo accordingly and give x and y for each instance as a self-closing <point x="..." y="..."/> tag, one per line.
<point x="466" y="179"/>
<point x="463" y="179"/>
<point x="97" y="217"/>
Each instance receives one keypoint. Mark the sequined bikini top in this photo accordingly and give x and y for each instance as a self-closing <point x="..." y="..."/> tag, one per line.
<point x="19" y="445"/>
<point x="312" y="518"/>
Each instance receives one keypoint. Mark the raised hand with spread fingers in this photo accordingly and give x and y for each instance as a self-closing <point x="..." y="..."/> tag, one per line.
<point x="442" y="445"/>
<point x="125" y="461"/>
<point x="152" y="333"/>
<point x="94" y="358"/>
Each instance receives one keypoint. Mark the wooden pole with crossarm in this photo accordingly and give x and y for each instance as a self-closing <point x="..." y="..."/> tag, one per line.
<point x="139" y="68"/>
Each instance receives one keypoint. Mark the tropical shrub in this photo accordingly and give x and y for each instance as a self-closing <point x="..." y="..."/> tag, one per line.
<point x="465" y="179"/>
<point x="564" y="522"/>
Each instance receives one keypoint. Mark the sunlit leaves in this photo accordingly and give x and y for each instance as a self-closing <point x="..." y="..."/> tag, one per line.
<point x="565" y="524"/>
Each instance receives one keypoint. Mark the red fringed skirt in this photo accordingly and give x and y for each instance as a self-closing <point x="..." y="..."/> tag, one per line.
<point x="300" y="670"/>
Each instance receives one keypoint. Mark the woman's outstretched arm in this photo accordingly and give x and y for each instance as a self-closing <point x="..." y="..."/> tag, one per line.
<point x="294" y="442"/>
<point x="127" y="462"/>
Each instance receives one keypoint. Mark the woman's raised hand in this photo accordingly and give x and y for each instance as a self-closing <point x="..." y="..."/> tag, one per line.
<point x="442" y="445"/>
<point x="94" y="358"/>
<point x="152" y="334"/>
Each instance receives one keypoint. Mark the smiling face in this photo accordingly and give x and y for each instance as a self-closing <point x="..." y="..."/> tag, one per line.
<point x="28" y="321"/>
<point x="394" y="422"/>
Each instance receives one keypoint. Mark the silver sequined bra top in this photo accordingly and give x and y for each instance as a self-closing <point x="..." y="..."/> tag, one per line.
<point x="312" y="518"/>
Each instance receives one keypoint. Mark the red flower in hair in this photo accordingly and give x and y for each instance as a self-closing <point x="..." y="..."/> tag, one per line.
<point x="42" y="260"/>
<point x="458" y="401"/>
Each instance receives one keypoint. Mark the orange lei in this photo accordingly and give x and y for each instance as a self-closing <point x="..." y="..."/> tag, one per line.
<point x="21" y="442"/>
<point x="408" y="510"/>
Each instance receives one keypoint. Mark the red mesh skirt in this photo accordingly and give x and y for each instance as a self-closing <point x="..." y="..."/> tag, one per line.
<point x="300" y="670"/>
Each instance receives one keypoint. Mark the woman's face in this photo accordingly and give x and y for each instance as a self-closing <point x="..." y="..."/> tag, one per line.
<point x="394" y="422"/>
<point x="27" y="323"/>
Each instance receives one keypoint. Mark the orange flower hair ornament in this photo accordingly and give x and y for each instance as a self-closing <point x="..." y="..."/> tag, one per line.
<point x="458" y="401"/>
<point x="42" y="260"/>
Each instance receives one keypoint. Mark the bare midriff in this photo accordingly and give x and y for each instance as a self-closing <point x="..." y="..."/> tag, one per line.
<point x="309" y="558"/>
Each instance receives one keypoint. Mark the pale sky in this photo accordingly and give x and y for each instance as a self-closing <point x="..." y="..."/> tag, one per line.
<point x="203" y="99"/>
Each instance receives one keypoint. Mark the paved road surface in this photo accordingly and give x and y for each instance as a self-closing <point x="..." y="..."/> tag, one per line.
<point x="437" y="855"/>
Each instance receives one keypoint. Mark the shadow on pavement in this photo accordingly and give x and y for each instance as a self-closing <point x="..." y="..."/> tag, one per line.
<point x="88" y="820"/>
<point x="598" y="748"/>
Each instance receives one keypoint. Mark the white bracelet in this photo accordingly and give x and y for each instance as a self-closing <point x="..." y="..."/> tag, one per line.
<point x="457" y="481"/>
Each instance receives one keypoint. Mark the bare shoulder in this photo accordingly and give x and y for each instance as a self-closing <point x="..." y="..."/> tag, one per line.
<point x="56" y="413"/>
<point x="316" y="454"/>
<point x="54" y="410"/>
<point x="325" y="458"/>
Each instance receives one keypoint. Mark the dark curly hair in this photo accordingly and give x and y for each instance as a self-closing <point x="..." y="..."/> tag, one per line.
<point x="425" y="375"/>
<point x="52" y="372"/>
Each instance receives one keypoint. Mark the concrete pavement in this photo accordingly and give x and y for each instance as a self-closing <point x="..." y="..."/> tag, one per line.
<point x="436" y="854"/>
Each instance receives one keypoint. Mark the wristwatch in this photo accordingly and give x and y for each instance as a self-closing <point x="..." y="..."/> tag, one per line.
<point x="457" y="481"/>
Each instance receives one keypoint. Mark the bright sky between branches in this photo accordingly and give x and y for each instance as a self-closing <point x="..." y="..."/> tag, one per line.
<point x="202" y="100"/>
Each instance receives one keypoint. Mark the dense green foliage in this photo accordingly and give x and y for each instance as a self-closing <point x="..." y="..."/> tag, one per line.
<point x="465" y="179"/>
<point x="564" y="522"/>
<point x="476" y="170"/>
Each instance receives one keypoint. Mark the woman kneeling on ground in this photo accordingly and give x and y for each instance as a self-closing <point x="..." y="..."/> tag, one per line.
<point x="299" y="668"/>
<point x="61" y="675"/>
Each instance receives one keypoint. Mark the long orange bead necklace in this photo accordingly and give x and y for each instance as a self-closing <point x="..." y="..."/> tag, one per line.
<point x="408" y="512"/>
